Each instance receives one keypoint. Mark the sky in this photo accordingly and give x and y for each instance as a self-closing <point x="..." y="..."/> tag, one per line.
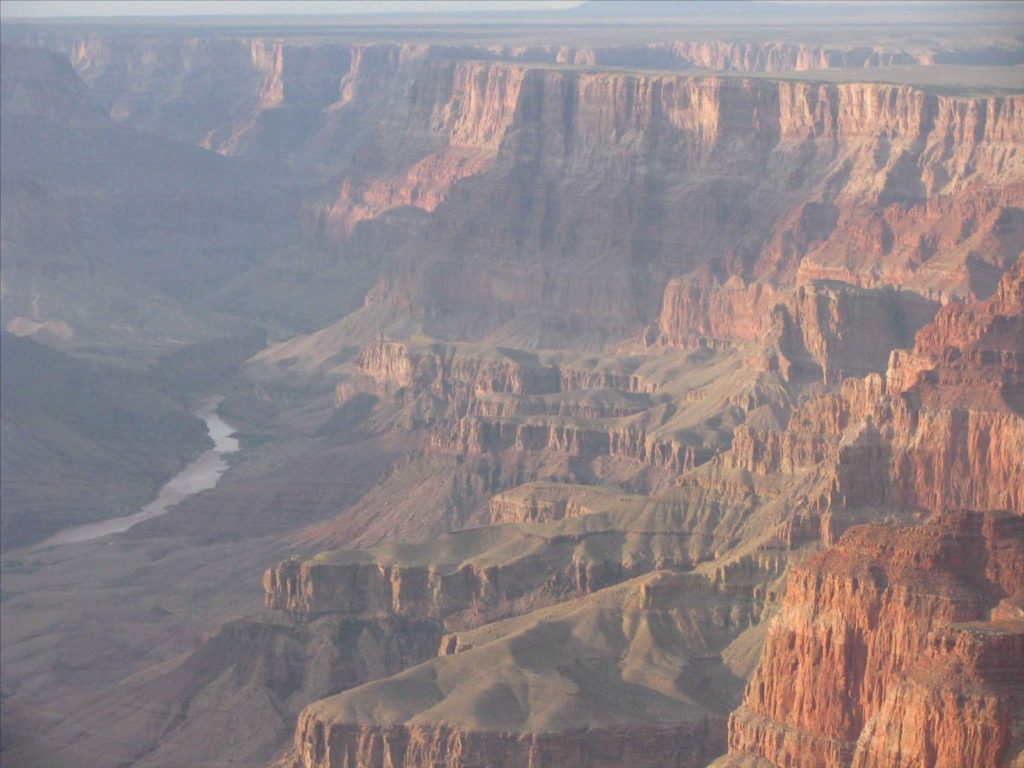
<point x="56" y="8"/>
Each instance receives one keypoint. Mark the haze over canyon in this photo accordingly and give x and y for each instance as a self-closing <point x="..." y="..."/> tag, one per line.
<point x="630" y="384"/>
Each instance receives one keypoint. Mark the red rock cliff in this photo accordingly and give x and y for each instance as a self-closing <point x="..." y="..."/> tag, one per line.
<point x="866" y="631"/>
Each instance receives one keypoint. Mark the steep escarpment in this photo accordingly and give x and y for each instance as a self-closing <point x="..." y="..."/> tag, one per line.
<point x="569" y="540"/>
<point x="967" y="371"/>
<point x="730" y="56"/>
<point x="884" y="611"/>
<point x="551" y="688"/>
<point x="798" y="183"/>
<point x="456" y="374"/>
<point x="639" y="420"/>
<point x="469" y="577"/>
<point x="940" y="431"/>
<point x="971" y="349"/>
<point x="474" y="169"/>
<point x="861" y="161"/>
<point x="828" y="329"/>
<point x="476" y="380"/>
<point x="413" y="746"/>
<point x="917" y="623"/>
<point x="543" y="502"/>
<point x="959" y="704"/>
<point x="481" y="434"/>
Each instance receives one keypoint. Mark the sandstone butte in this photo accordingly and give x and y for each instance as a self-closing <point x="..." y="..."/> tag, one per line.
<point x="782" y="521"/>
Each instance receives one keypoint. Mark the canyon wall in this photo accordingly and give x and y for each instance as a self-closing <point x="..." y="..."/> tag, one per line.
<point x="440" y="711"/>
<point x="494" y="573"/>
<point x="890" y="625"/>
<point x="942" y="430"/>
<point x="902" y="646"/>
<point x="868" y="184"/>
<point x="865" y="632"/>
<point x="749" y="313"/>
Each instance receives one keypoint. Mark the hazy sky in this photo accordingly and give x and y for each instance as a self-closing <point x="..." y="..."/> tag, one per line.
<point x="42" y="8"/>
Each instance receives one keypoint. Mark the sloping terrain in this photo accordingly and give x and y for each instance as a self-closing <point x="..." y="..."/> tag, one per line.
<point x="82" y="441"/>
<point x="111" y="237"/>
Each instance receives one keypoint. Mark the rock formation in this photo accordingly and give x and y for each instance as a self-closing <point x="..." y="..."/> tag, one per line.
<point x="880" y="184"/>
<point x="852" y="672"/>
<point x="550" y="706"/>
<point x="917" y="623"/>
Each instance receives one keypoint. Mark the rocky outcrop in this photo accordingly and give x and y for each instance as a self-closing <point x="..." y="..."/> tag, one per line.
<point x="865" y="627"/>
<point x="477" y="402"/>
<point x="966" y="372"/>
<point x="596" y="538"/>
<point x="698" y="311"/>
<point x="478" y="435"/>
<point x="310" y="588"/>
<point x="423" y="746"/>
<point x="765" y="451"/>
<point x="940" y="431"/>
<point x="467" y="109"/>
<point x="465" y="592"/>
<point x="829" y="329"/>
<point x="446" y="371"/>
<point x="438" y="711"/>
<point x="971" y="350"/>
<point x="958" y="705"/>
<point x="848" y="331"/>
<point x="459" y="372"/>
<point x="545" y="502"/>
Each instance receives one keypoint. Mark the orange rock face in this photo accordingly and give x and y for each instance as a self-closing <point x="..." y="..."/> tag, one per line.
<point x="959" y="705"/>
<point x="941" y="431"/>
<point x="881" y="626"/>
<point x="902" y="646"/>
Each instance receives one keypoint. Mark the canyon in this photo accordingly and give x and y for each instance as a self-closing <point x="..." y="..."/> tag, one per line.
<point x="605" y="394"/>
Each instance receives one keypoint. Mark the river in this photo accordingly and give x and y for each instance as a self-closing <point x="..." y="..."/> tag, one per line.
<point x="201" y="474"/>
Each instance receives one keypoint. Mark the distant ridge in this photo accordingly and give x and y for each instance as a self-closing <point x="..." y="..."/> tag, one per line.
<point x="768" y="10"/>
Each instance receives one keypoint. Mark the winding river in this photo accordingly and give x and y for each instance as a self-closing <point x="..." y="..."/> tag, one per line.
<point x="201" y="474"/>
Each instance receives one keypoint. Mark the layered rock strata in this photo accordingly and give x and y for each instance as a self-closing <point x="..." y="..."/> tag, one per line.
<point x="415" y="746"/>
<point x="545" y="502"/>
<point x="439" y="711"/>
<point x="877" y="631"/>
<point x="942" y="430"/>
